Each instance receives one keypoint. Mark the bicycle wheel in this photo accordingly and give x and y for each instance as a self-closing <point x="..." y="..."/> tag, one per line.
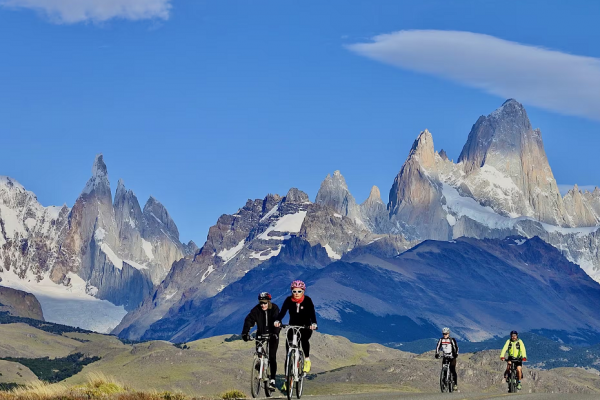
<point x="443" y="380"/>
<point x="450" y="385"/>
<point x="255" y="380"/>
<point x="289" y="378"/>
<point x="300" y="383"/>
<point x="512" y="386"/>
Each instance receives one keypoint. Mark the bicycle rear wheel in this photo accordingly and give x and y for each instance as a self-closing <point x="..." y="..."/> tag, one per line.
<point x="300" y="383"/>
<point x="289" y="378"/>
<point x="255" y="380"/>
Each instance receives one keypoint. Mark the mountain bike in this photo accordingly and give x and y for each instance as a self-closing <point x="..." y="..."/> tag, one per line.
<point x="294" y="362"/>
<point x="513" y="375"/>
<point x="260" y="366"/>
<point x="446" y="381"/>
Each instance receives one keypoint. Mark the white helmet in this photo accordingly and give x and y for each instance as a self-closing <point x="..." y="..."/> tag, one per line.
<point x="446" y="330"/>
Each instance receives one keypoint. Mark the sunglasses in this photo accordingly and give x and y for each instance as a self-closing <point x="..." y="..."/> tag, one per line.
<point x="296" y="291"/>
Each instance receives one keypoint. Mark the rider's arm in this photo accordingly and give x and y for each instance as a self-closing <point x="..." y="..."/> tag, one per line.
<point x="523" y="351"/>
<point x="284" y="309"/>
<point x="455" y="345"/>
<point x="313" y="314"/>
<point x="437" y="348"/>
<point x="504" y="349"/>
<point x="248" y="323"/>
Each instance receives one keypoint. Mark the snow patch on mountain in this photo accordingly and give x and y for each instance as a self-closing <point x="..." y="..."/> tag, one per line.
<point x="290" y="223"/>
<point x="147" y="246"/>
<point x="332" y="254"/>
<point x="68" y="305"/>
<point x="260" y="255"/>
<point x="227" y="254"/>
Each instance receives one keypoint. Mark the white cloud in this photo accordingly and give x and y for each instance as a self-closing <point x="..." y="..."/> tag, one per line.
<point x="72" y="11"/>
<point x="563" y="189"/>
<point x="561" y="82"/>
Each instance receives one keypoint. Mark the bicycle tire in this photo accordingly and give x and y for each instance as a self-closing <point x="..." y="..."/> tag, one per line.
<point x="442" y="381"/>
<point x="300" y="383"/>
<point x="289" y="378"/>
<point x="450" y="386"/>
<point x="512" y="386"/>
<point x="255" y="382"/>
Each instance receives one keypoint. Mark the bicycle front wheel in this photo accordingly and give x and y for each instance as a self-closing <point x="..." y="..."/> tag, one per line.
<point x="442" y="380"/>
<point x="300" y="383"/>
<point x="512" y="385"/>
<point x="289" y="378"/>
<point x="255" y="380"/>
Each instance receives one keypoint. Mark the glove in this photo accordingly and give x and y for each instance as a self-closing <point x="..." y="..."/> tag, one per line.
<point x="245" y="337"/>
<point x="313" y="327"/>
<point x="502" y="358"/>
<point x="277" y="324"/>
<point x="437" y="355"/>
<point x="524" y="358"/>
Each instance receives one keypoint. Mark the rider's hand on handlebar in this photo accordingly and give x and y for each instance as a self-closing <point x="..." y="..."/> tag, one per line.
<point x="277" y="324"/>
<point x="313" y="327"/>
<point x="502" y="358"/>
<point x="245" y="337"/>
<point x="437" y="355"/>
<point x="525" y="359"/>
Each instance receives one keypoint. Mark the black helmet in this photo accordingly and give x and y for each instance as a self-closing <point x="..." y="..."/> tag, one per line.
<point x="514" y="333"/>
<point x="264" y="296"/>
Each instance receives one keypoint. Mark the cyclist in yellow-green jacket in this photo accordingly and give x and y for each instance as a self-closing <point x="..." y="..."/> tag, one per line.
<point x="516" y="353"/>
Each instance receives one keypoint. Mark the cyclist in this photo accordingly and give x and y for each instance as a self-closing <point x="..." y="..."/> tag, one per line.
<point x="302" y="312"/>
<point x="263" y="315"/>
<point x="448" y="346"/>
<point x="516" y="351"/>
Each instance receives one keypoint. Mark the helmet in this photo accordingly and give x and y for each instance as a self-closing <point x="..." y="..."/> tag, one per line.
<point x="264" y="296"/>
<point x="446" y="330"/>
<point x="299" y="284"/>
<point x="514" y="333"/>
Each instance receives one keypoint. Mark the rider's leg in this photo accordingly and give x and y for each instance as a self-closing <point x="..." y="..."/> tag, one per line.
<point x="507" y="372"/>
<point x="304" y="339"/>
<point x="273" y="345"/>
<point x="520" y="372"/>
<point x="453" y="371"/>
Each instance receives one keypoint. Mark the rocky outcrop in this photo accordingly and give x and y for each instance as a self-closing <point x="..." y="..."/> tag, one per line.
<point x="20" y="304"/>
<point x="334" y="194"/>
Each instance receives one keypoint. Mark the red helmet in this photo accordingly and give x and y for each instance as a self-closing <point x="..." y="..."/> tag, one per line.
<point x="264" y="296"/>
<point x="299" y="284"/>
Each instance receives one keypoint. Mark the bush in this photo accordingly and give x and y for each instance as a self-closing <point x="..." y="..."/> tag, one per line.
<point x="57" y="369"/>
<point x="233" y="395"/>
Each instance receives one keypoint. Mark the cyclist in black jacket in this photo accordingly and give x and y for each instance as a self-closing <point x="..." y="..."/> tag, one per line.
<point x="302" y="313"/>
<point x="264" y="315"/>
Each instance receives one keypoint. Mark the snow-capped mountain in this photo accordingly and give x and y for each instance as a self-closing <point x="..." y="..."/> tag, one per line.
<point x="502" y="186"/>
<point x="109" y="254"/>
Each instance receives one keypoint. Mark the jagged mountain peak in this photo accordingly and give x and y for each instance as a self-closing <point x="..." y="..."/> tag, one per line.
<point x="154" y="210"/>
<point x="374" y="196"/>
<point x="423" y="150"/>
<point x="334" y="193"/>
<point x="295" y="195"/>
<point x="443" y="155"/>
<point x="99" y="181"/>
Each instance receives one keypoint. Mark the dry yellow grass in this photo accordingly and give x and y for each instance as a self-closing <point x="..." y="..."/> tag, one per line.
<point x="98" y="386"/>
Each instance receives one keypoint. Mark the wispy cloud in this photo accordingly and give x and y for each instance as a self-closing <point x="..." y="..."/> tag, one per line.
<point x="73" y="11"/>
<point x="557" y="81"/>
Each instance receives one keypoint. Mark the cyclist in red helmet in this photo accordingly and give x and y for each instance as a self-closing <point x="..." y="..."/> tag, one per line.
<point x="302" y="313"/>
<point x="264" y="314"/>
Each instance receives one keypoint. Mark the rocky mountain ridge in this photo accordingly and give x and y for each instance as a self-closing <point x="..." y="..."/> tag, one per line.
<point x="117" y="250"/>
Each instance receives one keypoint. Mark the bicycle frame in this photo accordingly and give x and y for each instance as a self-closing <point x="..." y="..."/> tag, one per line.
<point x="262" y="352"/>
<point x="294" y="347"/>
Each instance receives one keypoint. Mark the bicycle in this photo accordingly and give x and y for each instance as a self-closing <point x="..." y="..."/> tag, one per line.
<point x="446" y="381"/>
<point x="260" y="366"/>
<point x="294" y="362"/>
<point x="513" y="375"/>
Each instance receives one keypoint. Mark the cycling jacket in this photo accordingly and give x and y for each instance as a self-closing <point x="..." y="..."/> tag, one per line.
<point x="264" y="320"/>
<point x="448" y="346"/>
<point x="300" y="313"/>
<point x="515" y="349"/>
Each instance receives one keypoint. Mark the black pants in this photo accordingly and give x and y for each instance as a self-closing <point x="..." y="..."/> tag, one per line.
<point x="305" y="335"/>
<point x="453" y="371"/>
<point x="273" y="346"/>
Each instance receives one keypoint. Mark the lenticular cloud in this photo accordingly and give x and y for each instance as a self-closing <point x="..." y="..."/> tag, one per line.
<point x="557" y="81"/>
<point x="72" y="11"/>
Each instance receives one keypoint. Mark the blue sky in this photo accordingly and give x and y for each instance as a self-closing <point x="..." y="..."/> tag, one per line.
<point x="205" y="104"/>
